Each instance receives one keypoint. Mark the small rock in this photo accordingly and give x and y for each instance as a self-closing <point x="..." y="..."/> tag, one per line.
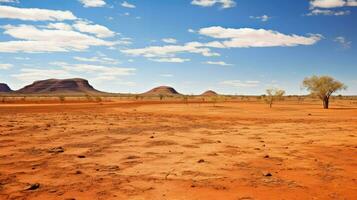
<point x="266" y="156"/>
<point x="33" y="186"/>
<point x="152" y="137"/>
<point x="81" y="156"/>
<point x="201" y="161"/>
<point x="56" y="150"/>
<point x="268" y="174"/>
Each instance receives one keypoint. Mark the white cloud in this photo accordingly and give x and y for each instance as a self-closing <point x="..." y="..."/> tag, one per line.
<point x="34" y="40"/>
<point x="170" y="60"/>
<point x="170" y="50"/>
<point x="239" y="83"/>
<point x="29" y="74"/>
<point x="263" y="18"/>
<point x="332" y="3"/>
<point x="328" y="12"/>
<point x="5" y="66"/>
<point x="209" y="3"/>
<point x="128" y="5"/>
<point x="59" y="26"/>
<point x="93" y="3"/>
<point x="190" y="30"/>
<point x="247" y="37"/>
<point x="169" y="40"/>
<point x="35" y="14"/>
<point x="98" y="30"/>
<point x="97" y="70"/>
<point x="103" y="59"/>
<point x="232" y="38"/>
<point x="9" y="1"/>
<point x="343" y="42"/>
<point x="221" y="63"/>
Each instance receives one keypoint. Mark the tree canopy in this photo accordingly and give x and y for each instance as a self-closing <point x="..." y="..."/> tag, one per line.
<point x="323" y="87"/>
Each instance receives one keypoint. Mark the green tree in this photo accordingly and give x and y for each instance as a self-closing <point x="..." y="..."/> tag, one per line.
<point x="323" y="87"/>
<point x="273" y="94"/>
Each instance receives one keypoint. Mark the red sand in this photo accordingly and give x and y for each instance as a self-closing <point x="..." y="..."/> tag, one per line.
<point x="178" y="151"/>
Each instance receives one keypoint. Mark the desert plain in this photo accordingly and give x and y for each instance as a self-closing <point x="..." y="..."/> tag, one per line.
<point x="176" y="151"/>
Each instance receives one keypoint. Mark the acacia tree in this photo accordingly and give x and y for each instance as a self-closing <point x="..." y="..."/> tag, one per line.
<point x="323" y="87"/>
<point x="273" y="94"/>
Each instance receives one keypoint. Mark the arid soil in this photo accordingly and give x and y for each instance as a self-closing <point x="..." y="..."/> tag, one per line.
<point x="174" y="151"/>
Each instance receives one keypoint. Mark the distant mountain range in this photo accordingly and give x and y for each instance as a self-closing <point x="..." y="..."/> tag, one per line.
<point x="79" y="86"/>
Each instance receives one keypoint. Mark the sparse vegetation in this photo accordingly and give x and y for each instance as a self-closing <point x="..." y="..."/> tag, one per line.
<point x="273" y="94"/>
<point x="323" y="87"/>
<point x="62" y="98"/>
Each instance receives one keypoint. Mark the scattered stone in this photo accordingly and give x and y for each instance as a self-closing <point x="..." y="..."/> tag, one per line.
<point x="266" y="156"/>
<point x="33" y="186"/>
<point x="132" y="157"/>
<point x="56" y="150"/>
<point x="78" y="172"/>
<point x="268" y="174"/>
<point x="309" y="114"/>
<point x="152" y="137"/>
<point x="201" y="161"/>
<point x="81" y="156"/>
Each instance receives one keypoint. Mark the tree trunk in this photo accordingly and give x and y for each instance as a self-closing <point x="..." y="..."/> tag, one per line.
<point x="326" y="102"/>
<point x="271" y="104"/>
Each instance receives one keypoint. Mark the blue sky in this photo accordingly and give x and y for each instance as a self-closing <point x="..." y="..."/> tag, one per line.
<point x="230" y="46"/>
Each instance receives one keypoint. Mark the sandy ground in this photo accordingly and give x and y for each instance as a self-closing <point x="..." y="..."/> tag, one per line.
<point x="238" y="151"/>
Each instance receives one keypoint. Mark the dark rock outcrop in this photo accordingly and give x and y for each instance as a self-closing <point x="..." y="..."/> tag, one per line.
<point x="209" y="93"/>
<point x="4" y="88"/>
<point x="75" y="85"/>
<point x="162" y="90"/>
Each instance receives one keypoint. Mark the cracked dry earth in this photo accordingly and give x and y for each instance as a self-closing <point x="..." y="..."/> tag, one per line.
<point x="238" y="151"/>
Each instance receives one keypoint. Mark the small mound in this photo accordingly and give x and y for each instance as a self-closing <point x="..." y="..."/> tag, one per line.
<point x="57" y="86"/>
<point x="162" y="90"/>
<point x="4" y="88"/>
<point x="209" y="93"/>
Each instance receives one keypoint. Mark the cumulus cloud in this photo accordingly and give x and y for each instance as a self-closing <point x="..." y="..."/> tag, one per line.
<point x="35" y="14"/>
<point x="128" y="5"/>
<point x="209" y="3"/>
<point x="93" y="3"/>
<point x="247" y="37"/>
<point x="34" y="40"/>
<point x="5" y="66"/>
<point x="170" y="60"/>
<point x="221" y="63"/>
<point x="169" y="40"/>
<point x="328" y="12"/>
<point x="332" y="3"/>
<point x="239" y="83"/>
<point x="226" y="38"/>
<point x="98" y="30"/>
